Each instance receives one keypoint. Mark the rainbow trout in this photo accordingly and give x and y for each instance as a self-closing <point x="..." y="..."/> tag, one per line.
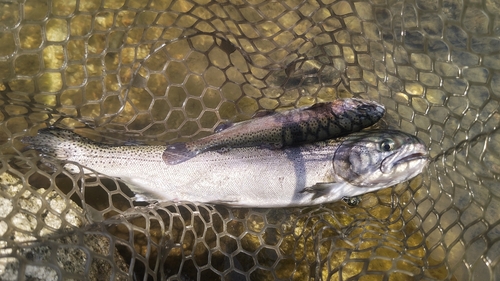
<point x="250" y="176"/>
<point x="319" y="122"/>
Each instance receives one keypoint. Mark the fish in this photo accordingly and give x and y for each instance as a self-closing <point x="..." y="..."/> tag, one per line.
<point x="304" y="175"/>
<point x="275" y="130"/>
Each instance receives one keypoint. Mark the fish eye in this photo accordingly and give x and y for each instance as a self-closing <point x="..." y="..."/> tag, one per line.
<point x="387" y="145"/>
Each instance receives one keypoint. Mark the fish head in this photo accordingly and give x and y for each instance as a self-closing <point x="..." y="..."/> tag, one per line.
<point x="379" y="158"/>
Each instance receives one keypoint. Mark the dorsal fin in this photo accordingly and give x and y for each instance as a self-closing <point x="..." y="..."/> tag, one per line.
<point x="222" y="126"/>
<point x="263" y="113"/>
<point x="177" y="153"/>
<point x="316" y="105"/>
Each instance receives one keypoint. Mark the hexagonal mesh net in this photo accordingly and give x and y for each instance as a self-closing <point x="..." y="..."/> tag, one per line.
<point x="163" y="71"/>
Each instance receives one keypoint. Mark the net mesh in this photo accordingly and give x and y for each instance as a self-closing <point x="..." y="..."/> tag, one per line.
<point x="162" y="71"/>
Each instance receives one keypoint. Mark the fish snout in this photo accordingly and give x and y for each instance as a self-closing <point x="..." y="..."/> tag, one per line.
<point x="414" y="156"/>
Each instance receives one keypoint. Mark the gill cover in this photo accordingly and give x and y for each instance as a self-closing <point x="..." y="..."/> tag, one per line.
<point x="374" y="158"/>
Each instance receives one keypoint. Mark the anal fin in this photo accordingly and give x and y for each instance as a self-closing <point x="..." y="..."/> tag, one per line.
<point x="177" y="153"/>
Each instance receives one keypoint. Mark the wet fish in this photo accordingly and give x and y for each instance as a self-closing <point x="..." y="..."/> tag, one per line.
<point x="298" y="126"/>
<point x="250" y="176"/>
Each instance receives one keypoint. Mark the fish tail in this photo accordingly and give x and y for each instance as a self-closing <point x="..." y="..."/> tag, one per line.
<point x="177" y="153"/>
<point x="54" y="142"/>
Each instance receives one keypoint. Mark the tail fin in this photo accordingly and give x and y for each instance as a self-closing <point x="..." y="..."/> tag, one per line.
<point x="177" y="153"/>
<point x="54" y="142"/>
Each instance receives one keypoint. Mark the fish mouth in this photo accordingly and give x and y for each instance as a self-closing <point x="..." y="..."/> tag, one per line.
<point x="412" y="157"/>
<point x="386" y="166"/>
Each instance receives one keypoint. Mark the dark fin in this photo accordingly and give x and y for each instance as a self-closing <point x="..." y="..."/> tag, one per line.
<point x="352" y="201"/>
<point x="177" y="153"/>
<point x="316" y="106"/>
<point x="222" y="126"/>
<point x="263" y="113"/>
<point x="319" y="189"/>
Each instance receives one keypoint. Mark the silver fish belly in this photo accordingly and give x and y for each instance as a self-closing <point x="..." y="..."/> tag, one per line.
<point x="296" y="176"/>
<point x="319" y="122"/>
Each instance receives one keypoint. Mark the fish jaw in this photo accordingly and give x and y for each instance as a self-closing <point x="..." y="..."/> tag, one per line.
<point x="365" y="163"/>
<point x="406" y="163"/>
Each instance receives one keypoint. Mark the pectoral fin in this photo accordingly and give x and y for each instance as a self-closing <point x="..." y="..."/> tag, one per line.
<point x="319" y="189"/>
